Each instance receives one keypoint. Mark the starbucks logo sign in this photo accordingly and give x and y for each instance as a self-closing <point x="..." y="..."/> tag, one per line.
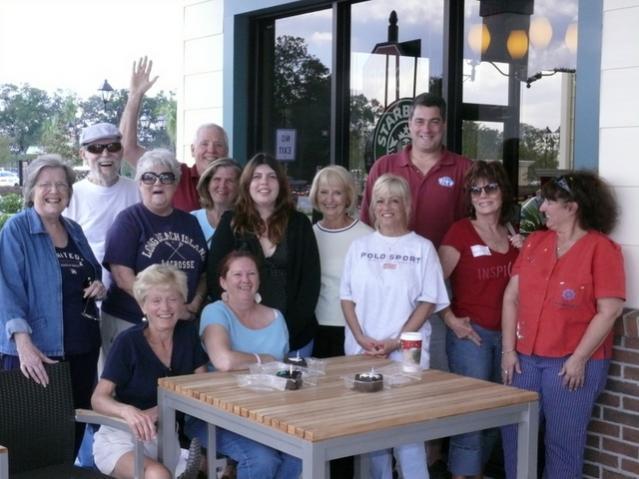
<point x="391" y="132"/>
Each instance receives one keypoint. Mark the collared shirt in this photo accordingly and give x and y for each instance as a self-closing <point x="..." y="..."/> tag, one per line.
<point x="437" y="199"/>
<point x="558" y="296"/>
<point x="186" y="197"/>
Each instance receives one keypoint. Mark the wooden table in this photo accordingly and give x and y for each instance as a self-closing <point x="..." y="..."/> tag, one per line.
<point x="329" y="421"/>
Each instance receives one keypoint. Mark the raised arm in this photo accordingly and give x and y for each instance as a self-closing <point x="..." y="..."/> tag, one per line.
<point x="141" y="82"/>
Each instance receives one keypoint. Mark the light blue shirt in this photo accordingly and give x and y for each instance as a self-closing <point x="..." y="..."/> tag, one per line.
<point x="203" y="221"/>
<point x="272" y="339"/>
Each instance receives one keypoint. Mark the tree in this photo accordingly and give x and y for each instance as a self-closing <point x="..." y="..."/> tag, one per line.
<point x="32" y="117"/>
<point x="301" y="100"/>
<point x="23" y="112"/>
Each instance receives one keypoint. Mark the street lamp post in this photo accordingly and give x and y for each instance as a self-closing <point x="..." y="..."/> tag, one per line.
<point x="106" y="92"/>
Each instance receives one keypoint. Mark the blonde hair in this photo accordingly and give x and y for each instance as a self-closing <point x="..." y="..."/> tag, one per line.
<point x="203" y="183"/>
<point x="340" y="175"/>
<point x="162" y="275"/>
<point x="391" y="185"/>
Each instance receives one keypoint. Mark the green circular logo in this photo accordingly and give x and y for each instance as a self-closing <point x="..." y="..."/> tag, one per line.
<point x="391" y="132"/>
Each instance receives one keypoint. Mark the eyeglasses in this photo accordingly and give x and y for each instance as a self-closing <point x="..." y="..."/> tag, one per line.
<point x="562" y="182"/>
<point x="89" y="303"/>
<point x="53" y="186"/>
<point x="150" y="178"/>
<point x="98" y="148"/>
<point x="489" y="189"/>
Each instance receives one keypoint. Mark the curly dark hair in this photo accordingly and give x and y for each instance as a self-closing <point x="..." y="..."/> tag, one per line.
<point x="247" y="219"/>
<point x="598" y="209"/>
<point x="492" y="172"/>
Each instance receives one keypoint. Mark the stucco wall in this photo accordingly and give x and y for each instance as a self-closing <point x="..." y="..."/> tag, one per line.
<point x="200" y="94"/>
<point x="619" y="126"/>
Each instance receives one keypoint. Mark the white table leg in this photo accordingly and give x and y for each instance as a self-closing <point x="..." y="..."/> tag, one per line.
<point x="527" y="434"/>
<point x="167" y="439"/>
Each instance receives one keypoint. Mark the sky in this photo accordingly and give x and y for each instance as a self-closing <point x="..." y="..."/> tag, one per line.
<point x="75" y="45"/>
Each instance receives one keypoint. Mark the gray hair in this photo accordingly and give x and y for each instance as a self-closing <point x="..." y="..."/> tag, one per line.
<point x="390" y="185"/>
<point x="158" y="157"/>
<point x="215" y="126"/>
<point x="343" y="177"/>
<point x="159" y="275"/>
<point x="35" y="168"/>
<point x="203" y="183"/>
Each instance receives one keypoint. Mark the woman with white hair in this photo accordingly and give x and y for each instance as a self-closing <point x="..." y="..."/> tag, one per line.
<point x="392" y="283"/>
<point x="161" y="346"/>
<point x="49" y="281"/>
<point x="147" y="233"/>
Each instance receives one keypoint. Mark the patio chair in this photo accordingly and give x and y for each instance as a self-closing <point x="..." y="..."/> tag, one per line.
<point x="37" y="427"/>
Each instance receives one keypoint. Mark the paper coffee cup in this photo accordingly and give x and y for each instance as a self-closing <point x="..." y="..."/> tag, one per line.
<point x="411" y="345"/>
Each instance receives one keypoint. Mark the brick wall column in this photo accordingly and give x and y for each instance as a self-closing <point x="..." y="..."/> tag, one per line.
<point x="612" y="449"/>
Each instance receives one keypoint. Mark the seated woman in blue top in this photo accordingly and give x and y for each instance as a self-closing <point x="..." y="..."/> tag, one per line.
<point x="237" y="331"/>
<point x="158" y="347"/>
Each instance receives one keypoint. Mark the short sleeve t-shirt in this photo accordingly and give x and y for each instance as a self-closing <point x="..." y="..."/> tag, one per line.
<point x="139" y="238"/>
<point x="81" y="334"/>
<point x="272" y="339"/>
<point x="480" y="277"/>
<point x="135" y="369"/>
<point x="558" y="296"/>
<point x="386" y="277"/>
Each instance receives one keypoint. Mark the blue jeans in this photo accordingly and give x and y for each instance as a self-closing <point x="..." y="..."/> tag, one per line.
<point x="469" y="452"/>
<point x="305" y="351"/>
<point x="565" y="413"/>
<point x="411" y="459"/>
<point x="254" y="460"/>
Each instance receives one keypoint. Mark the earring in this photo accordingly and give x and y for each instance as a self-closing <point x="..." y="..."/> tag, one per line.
<point x="225" y="297"/>
<point x="258" y="298"/>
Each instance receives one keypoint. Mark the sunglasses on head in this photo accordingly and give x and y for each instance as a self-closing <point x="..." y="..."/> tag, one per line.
<point x="562" y="182"/>
<point x="98" y="148"/>
<point x="150" y="178"/>
<point x="489" y="189"/>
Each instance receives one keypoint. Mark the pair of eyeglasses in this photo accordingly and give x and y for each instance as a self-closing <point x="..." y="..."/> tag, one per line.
<point x="150" y="178"/>
<point x="88" y="301"/>
<point x="562" y="182"/>
<point x="489" y="189"/>
<point x="98" y="148"/>
<point x="53" y="186"/>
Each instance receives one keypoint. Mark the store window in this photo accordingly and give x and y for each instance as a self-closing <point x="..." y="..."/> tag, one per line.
<point x="396" y="53"/>
<point x="519" y="64"/>
<point x="296" y="93"/>
<point x="325" y="75"/>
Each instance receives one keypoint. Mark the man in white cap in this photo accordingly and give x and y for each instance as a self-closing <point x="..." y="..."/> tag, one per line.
<point x="98" y="198"/>
<point x="210" y="142"/>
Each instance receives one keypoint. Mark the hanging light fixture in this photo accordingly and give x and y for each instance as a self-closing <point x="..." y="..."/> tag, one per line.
<point x="571" y="37"/>
<point x="478" y="38"/>
<point x="517" y="44"/>
<point x="540" y="32"/>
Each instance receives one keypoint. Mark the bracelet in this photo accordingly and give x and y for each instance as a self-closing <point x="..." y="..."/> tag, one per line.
<point x="257" y="358"/>
<point x="509" y="351"/>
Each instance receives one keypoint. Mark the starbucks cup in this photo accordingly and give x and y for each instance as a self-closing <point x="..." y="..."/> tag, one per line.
<point x="411" y="345"/>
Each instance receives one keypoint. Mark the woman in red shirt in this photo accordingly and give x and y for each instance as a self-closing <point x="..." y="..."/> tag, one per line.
<point x="478" y="253"/>
<point x="566" y="291"/>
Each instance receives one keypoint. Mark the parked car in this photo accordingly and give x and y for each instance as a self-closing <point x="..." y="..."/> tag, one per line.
<point x="8" y="178"/>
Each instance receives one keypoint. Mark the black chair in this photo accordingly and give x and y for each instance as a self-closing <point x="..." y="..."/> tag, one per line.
<point x="37" y="426"/>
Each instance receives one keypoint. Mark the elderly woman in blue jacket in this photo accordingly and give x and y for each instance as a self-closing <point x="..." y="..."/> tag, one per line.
<point x="48" y="285"/>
